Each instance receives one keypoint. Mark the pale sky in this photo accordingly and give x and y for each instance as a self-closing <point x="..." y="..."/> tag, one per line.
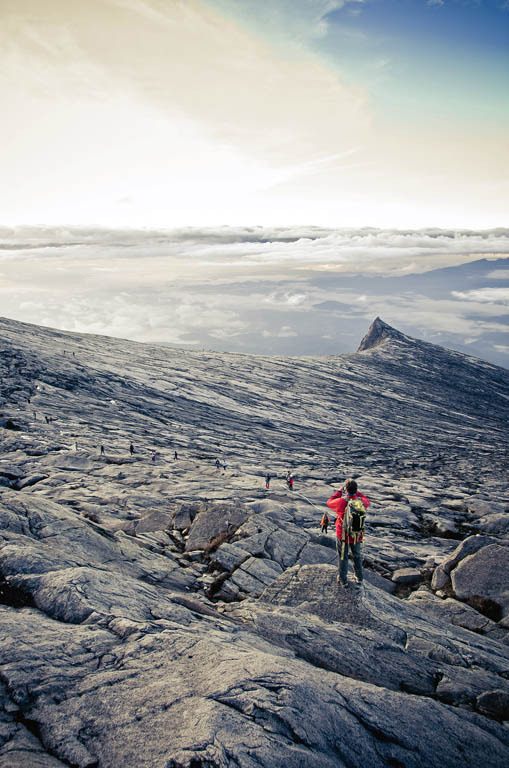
<point x="169" y="113"/>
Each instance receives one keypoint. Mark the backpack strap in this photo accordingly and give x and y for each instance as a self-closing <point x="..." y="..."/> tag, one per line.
<point x="344" y="529"/>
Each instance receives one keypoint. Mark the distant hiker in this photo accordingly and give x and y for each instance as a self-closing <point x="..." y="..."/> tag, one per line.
<point x="218" y="464"/>
<point x="289" y="481"/>
<point x="131" y="449"/>
<point x="102" y="450"/>
<point x="350" y="509"/>
<point x="324" y="522"/>
<point x="224" y="464"/>
<point x="47" y="420"/>
<point x="76" y="445"/>
<point x="175" y="456"/>
<point x="267" y="481"/>
<point x="153" y="455"/>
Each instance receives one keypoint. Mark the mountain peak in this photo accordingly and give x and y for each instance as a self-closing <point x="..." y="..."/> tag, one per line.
<point x="377" y="333"/>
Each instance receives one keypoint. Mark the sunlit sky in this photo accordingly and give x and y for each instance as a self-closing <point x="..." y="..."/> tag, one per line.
<point x="387" y="113"/>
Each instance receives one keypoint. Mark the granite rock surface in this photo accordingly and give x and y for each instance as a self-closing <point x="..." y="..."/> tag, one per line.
<point x="162" y="609"/>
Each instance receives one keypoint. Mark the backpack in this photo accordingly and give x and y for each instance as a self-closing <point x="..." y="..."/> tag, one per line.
<point x="354" y="520"/>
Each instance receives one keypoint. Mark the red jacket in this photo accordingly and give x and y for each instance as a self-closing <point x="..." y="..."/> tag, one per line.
<point x="338" y="505"/>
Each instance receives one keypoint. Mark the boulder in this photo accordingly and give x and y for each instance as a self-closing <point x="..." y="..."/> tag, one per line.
<point x="215" y="522"/>
<point x="494" y="704"/>
<point x="156" y="520"/>
<point x="458" y="505"/>
<point x="284" y="546"/>
<point x="228" y="557"/>
<point x="263" y="570"/>
<point x="485" y="507"/>
<point x="451" y="611"/>
<point x="463" y="687"/>
<point x="440" y="579"/>
<point x="447" y="529"/>
<point x="26" y="482"/>
<point x="496" y="523"/>
<point x="467" y="547"/>
<point x="6" y="423"/>
<point x="246" y="582"/>
<point x="482" y="579"/>
<point x="185" y="515"/>
<point x="374" y="578"/>
<point x="407" y="576"/>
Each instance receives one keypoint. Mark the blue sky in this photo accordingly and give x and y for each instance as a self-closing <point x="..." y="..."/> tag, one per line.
<point x="319" y="138"/>
<point x="207" y="112"/>
<point x="454" y="54"/>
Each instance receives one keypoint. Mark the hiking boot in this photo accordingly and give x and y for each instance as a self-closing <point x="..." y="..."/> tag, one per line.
<point x="340" y="583"/>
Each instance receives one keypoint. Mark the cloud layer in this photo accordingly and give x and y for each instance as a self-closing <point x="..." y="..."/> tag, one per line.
<point x="293" y="290"/>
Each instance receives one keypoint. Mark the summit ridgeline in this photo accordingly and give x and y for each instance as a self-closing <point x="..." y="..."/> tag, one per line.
<point x="167" y="601"/>
<point x="378" y="333"/>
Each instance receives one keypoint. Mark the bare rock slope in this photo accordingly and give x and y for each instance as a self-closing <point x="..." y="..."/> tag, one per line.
<point x="162" y="610"/>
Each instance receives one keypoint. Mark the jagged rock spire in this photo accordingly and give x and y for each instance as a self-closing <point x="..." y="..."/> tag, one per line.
<point x="377" y="333"/>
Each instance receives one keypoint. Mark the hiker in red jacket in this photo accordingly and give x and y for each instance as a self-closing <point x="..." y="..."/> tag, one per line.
<point x="338" y="503"/>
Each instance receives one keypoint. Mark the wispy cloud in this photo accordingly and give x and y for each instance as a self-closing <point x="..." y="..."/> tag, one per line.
<point x="290" y="20"/>
<point x="490" y="295"/>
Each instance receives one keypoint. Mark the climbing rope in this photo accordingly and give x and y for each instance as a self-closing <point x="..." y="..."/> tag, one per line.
<point x="296" y="493"/>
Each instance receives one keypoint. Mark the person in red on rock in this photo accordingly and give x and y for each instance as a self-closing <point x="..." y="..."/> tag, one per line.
<point x="338" y="503"/>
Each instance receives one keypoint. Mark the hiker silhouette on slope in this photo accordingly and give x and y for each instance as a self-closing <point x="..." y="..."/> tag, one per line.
<point x="350" y="507"/>
<point x="324" y="524"/>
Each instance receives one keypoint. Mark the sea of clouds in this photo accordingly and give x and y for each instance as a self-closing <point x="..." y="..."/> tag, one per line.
<point x="283" y="290"/>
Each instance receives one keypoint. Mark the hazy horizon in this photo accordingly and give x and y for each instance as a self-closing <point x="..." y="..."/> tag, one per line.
<point x="194" y="132"/>
<point x="277" y="291"/>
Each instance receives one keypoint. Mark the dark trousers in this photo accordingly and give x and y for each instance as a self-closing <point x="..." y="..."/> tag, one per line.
<point x="356" y="551"/>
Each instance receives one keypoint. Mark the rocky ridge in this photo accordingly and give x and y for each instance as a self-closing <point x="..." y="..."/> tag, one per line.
<point x="172" y="613"/>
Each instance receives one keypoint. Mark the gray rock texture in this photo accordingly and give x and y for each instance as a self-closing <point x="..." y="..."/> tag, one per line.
<point x="171" y="614"/>
<point x="484" y="575"/>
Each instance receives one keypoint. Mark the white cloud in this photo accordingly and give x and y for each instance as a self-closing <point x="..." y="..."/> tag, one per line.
<point x="286" y="299"/>
<point x="228" y="288"/>
<point x="284" y="332"/>
<point x="150" y="112"/>
<point x="188" y="114"/>
<point x="490" y="295"/>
